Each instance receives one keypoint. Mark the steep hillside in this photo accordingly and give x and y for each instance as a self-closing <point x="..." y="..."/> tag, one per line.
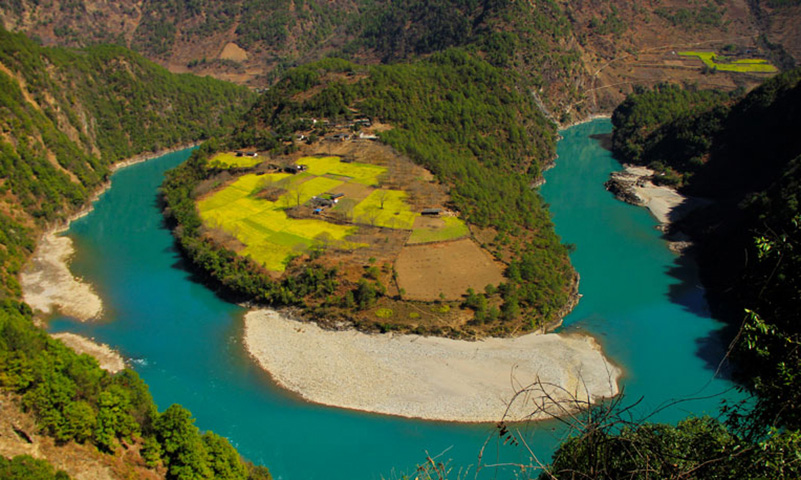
<point x="743" y="153"/>
<point x="744" y="156"/>
<point x="68" y="115"/>
<point x="584" y="56"/>
<point x="65" y="117"/>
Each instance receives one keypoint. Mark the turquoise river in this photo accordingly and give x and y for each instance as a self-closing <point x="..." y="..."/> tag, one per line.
<point x="639" y="300"/>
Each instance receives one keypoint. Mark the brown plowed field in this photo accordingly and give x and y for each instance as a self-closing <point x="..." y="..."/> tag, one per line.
<point x="450" y="268"/>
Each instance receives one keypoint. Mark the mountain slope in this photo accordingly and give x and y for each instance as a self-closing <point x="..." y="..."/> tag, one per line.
<point x="65" y="117"/>
<point x="744" y="156"/>
<point x="584" y="56"/>
<point x="68" y="115"/>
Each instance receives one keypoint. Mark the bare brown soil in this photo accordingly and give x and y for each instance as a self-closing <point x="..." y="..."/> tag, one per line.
<point x="445" y="270"/>
<point x="354" y="191"/>
<point x="783" y="28"/>
<point x="232" y="51"/>
<point x="429" y="222"/>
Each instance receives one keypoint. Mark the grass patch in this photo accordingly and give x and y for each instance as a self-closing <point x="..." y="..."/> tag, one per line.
<point x="301" y="193"/>
<point x="363" y="173"/>
<point x="384" y="312"/>
<point x="395" y="213"/>
<point x="230" y="160"/>
<point x="452" y="229"/>
<point x="746" y="65"/>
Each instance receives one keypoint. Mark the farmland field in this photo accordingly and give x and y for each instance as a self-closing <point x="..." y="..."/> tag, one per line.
<point x="230" y="160"/>
<point x="748" y="65"/>
<point x="253" y="209"/>
<point x="393" y="213"/>
<point x="452" y="267"/>
<point x="429" y="230"/>
<point x="362" y="173"/>
<point x="269" y="235"/>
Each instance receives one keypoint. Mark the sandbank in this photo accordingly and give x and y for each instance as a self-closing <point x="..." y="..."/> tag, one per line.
<point x="589" y="118"/>
<point x="48" y="285"/>
<point x="429" y="377"/>
<point x="665" y="203"/>
<point x="108" y="359"/>
<point x="46" y="281"/>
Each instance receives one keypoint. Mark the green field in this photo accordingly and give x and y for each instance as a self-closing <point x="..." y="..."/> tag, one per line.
<point x="230" y="160"/>
<point x="394" y="214"/>
<point x="363" y="173"/>
<point x="454" y="228"/>
<point x="270" y="236"/>
<point x="748" y="65"/>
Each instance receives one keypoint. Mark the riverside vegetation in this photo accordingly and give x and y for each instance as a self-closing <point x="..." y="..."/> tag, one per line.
<point x="68" y="115"/>
<point x="742" y="152"/>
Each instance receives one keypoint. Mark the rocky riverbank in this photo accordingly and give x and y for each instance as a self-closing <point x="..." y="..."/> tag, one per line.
<point x="634" y="185"/>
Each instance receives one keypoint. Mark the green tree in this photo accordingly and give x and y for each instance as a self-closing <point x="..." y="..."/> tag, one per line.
<point x="185" y="454"/>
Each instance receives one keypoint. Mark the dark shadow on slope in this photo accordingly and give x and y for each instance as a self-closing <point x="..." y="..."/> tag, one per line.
<point x="688" y="292"/>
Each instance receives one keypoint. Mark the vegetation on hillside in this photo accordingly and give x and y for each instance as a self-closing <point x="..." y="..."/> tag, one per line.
<point x="535" y="37"/>
<point x="750" y="257"/>
<point x="67" y="116"/>
<point x="669" y="128"/>
<point x="74" y="400"/>
<point x="748" y="235"/>
<point x="25" y="467"/>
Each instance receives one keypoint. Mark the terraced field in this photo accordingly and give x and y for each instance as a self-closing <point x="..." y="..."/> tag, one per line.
<point x="747" y="65"/>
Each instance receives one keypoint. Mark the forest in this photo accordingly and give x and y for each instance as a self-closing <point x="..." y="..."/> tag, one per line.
<point x="747" y="162"/>
<point x="67" y="116"/>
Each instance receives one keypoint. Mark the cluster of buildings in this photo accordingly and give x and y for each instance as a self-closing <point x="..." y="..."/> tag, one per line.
<point x="319" y="203"/>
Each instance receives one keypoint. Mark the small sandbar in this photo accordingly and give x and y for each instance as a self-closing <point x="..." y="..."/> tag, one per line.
<point x="665" y="203"/>
<point x="48" y="284"/>
<point x="429" y="377"/>
<point x="108" y="359"/>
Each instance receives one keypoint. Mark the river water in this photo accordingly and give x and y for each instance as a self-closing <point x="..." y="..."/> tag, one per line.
<point x="643" y="305"/>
